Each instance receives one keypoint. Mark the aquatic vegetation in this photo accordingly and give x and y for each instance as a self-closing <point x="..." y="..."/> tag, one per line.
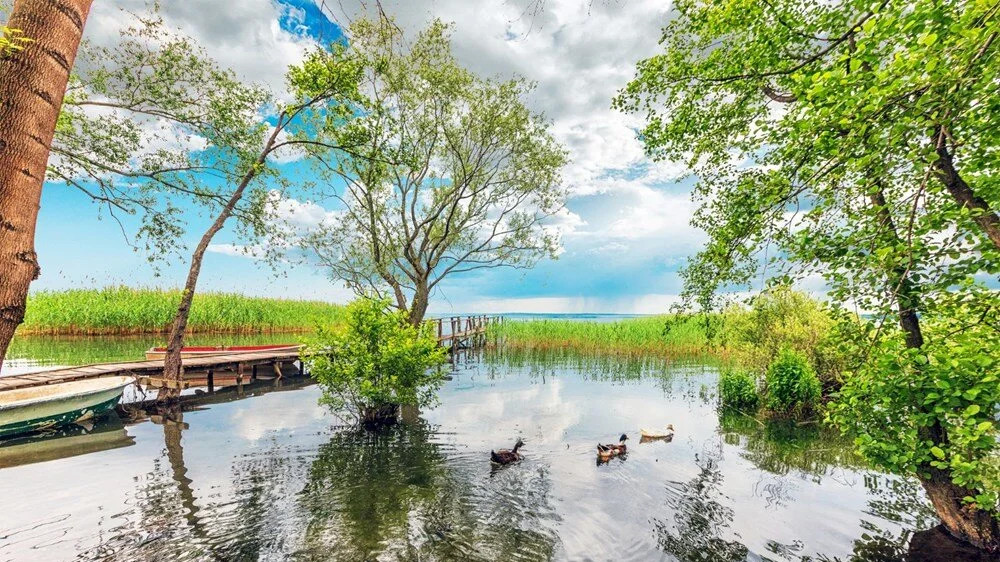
<point x="375" y="363"/>
<point x="738" y="389"/>
<point x="126" y="311"/>
<point x="792" y="386"/>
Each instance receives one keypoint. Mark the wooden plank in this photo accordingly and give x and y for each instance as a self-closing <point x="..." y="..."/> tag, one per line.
<point x="461" y="328"/>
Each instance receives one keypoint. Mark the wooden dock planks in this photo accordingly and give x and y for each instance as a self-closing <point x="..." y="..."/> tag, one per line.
<point x="462" y="329"/>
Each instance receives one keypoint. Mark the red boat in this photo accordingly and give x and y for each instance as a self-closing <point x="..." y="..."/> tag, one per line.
<point x="155" y="353"/>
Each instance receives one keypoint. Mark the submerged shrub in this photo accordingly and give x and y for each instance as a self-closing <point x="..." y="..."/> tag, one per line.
<point x="375" y="363"/>
<point x="738" y="389"/>
<point x="792" y="385"/>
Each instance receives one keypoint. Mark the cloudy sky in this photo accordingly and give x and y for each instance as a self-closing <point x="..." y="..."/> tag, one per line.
<point x="627" y="230"/>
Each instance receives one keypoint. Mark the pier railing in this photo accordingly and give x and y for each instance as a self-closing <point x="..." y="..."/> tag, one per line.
<point x="463" y="330"/>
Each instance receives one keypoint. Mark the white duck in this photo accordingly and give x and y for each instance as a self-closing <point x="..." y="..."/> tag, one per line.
<point x="658" y="433"/>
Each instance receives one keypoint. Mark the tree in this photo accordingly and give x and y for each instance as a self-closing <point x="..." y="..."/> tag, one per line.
<point x="153" y="123"/>
<point x="455" y="173"/>
<point x="376" y="363"/>
<point x="856" y="142"/>
<point x="33" y="77"/>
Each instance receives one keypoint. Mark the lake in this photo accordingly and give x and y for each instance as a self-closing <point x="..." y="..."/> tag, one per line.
<point x="275" y="476"/>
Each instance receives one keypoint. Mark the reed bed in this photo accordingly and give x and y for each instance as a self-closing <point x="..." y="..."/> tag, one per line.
<point x="131" y="311"/>
<point x="661" y="335"/>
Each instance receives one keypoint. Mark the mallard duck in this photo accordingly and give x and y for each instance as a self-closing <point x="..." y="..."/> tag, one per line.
<point x="658" y="433"/>
<point x="611" y="450"/>
<point x="507" y="456"/>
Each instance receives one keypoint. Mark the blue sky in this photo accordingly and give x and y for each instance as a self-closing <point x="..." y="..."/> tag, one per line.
<point x="625" y="230"/>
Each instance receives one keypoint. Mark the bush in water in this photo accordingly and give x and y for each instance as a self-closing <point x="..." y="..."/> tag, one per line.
<point x="738" y="389"/>
<point x="375" y="363"/>
<point x="792" y="386"/>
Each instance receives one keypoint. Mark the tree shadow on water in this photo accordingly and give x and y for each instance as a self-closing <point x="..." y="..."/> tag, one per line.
<point x="394" y="494"/>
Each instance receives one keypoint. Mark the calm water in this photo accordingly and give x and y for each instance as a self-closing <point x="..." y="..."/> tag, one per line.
<point x="274" y="477"/>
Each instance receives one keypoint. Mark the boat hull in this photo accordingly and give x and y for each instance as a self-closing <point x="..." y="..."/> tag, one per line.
<point x="159" y="353"/>
<point x="53" y="410"/>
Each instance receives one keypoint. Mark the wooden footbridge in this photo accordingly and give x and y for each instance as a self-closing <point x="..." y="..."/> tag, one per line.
<point x="456" y="332"/>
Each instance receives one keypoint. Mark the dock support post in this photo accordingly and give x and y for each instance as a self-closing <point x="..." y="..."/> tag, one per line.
<point x="302" y="367"/>
<point x="253" y="373"/>
<point x="239" y="377"/>
<point x="211" y="380"/>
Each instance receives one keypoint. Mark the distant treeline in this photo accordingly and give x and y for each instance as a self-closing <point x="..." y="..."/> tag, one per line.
<point x="127" y="311"/>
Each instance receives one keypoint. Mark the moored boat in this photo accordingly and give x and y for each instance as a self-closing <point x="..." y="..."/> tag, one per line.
<point x="34" y="408"/>
<point x="157" y="353"/>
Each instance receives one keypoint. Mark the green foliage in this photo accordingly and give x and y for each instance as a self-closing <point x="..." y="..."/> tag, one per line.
<point x="375" y="362"/>
<point x="782" y="318"/>
<point x="124" y="310"/>
<point x="792" y="386"/>
<point x="151" y="125"/>
<point x="856" y="142"/>
<point x="450" y="173"/>
<point x="738" y="390"/>
<point x="912" y="411"/>
<point x="12" y="40"/>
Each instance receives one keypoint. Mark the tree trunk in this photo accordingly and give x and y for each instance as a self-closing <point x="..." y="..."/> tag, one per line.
<point x="32" y="85"/>
<point x="966" y="198"/>
<point x="418" y="307"/>
<point x="907" y="298"/>
<point x="173" y="366"/>
<point x="961" y="520"/>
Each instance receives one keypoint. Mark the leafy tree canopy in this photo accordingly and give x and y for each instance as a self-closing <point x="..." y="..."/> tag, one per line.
<point x="452" y="172"/>
<point x="856" y="142"/>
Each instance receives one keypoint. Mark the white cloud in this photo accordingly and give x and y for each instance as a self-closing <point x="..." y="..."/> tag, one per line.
<point x="246" y="38"/>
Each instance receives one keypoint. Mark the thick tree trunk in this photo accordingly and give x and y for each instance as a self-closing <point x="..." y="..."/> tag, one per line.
<point x="32" y="86"/>
<point x="961" y="520"/>
<point x="983" y="215"/>
<point x="418" y="306"/>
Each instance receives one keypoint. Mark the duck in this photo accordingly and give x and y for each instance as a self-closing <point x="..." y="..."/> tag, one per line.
<point x="607" y="451"/>
<point x="664" y="433"/>
<point x="507" y="456"/>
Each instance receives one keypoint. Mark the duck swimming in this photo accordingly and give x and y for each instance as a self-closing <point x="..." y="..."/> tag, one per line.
<point x="664" y="433"/>
<point x="507" y="456"/>
<point x="605" y="452"/>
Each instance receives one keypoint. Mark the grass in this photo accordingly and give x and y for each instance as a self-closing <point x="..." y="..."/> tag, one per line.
<point x="129" y="311"/>
<point x="663" y="335"/>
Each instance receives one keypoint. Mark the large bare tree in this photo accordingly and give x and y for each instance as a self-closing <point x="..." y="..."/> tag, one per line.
<point x="33" y="78"/>
<point x="456" y="175"/>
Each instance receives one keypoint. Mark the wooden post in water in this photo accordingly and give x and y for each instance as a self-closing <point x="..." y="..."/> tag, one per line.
<point x="302" y="367"/>
<point x="253" y="373"/>
<point x="211" y="380"/>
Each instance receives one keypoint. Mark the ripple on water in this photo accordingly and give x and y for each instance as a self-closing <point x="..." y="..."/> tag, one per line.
<point x="272" y="478"/>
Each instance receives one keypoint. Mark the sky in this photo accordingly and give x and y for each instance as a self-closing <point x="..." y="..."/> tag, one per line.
<point x="626" y="231"/>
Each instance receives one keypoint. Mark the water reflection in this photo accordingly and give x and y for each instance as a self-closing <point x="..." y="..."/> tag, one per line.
<point x="67" y="441"/>
<point x="429" y="503"/>
<point x="700" y="518"/>
<point x="275" y="477"/>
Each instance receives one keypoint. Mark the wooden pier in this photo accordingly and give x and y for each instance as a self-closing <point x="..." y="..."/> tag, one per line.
<point x="456" y="332"/>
